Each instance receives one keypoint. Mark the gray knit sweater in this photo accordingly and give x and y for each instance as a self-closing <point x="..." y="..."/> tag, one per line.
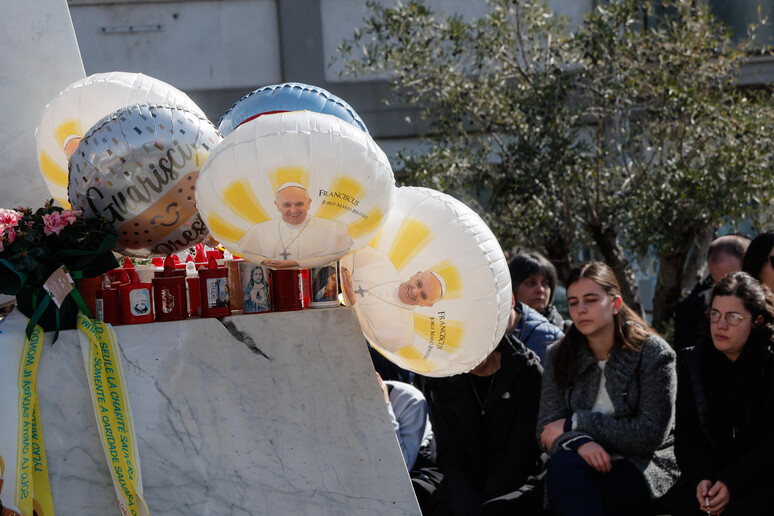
<point x="642" y="386"/>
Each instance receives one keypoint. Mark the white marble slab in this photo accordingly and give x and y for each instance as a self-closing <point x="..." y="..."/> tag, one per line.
<point x="39" y="58"/>
<point x="262" y="414"/>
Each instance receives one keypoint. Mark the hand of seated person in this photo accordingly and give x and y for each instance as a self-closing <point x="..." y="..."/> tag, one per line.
<point x="717" y="495"/>
<point x="551" y="432"/>
<point x="595" y="456"/>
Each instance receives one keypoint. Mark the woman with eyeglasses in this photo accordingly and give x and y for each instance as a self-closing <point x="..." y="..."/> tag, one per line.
<point x="759" y="259"/>
<point x="607" y="405"/>
<point x="725" y="405"/>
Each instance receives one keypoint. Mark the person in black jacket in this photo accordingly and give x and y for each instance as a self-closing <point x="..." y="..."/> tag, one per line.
<point x="759" y="259"/>
<point x="484" y="422"/>
<point x="725" y="405"/>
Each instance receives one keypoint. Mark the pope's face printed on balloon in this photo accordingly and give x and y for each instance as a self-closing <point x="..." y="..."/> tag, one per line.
<point x="293" y="203"/>
<point x="422" y="289"/>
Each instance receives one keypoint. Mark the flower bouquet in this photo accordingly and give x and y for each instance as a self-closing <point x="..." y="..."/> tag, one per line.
<point x="34" y="245"/>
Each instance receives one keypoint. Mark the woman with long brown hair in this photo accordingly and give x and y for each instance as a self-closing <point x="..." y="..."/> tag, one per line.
<point x="607" y="405"/>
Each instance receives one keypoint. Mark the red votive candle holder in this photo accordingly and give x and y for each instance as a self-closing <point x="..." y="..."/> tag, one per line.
<point x="169" y="293"/>
<point x="213" y="285"/>
<point x="136" y="304"/>
<point x="108" y="303"/>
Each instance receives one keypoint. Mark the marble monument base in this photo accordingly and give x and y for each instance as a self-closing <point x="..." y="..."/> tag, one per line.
<point x="264" y="414"/>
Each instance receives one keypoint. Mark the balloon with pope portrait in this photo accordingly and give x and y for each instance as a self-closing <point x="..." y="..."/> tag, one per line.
<point x="295" y="189"/>
<point x="82" y="104"/>
<point x="432" y="289"/>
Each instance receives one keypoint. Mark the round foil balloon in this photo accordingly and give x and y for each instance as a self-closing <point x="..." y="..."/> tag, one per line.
<point x="291" y="96"/>
<point x="81" y="105"/>
<point x="138" y="167"/>
<point x="431" y="290"/>
<point x="295" y="190"/>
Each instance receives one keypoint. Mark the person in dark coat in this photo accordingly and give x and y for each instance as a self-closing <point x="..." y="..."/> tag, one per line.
<point x="724" y="256"/>
<point x="484" y="422"/>
<point x="533" y="280"/>
<point x="534" y="330"/>
<point x="725" y="405"/>
<point x="759" y="259"/>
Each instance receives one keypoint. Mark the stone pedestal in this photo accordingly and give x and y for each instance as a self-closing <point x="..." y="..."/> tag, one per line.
<point x="39" y="58"/>
<point x="262" y="414"/>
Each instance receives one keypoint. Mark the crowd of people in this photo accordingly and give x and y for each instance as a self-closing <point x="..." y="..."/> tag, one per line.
<point x="598" y="414"/>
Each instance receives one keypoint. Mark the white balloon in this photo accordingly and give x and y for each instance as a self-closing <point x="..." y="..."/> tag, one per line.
<point x="82" y="104"/>
<point x="340" y="183"/>
<point x="431" y="232"/>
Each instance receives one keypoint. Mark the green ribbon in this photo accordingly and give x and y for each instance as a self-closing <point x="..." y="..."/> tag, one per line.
<point x="14" y="282"/>
<point x="46" y="300"/>
<point x="38" y="313"/>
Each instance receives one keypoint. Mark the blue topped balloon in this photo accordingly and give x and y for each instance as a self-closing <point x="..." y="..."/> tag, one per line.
<point x="289" y="96"/>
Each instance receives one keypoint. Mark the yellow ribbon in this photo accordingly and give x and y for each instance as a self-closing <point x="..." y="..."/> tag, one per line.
<point x="111" y="410"/>
<point x="33" y="490"/>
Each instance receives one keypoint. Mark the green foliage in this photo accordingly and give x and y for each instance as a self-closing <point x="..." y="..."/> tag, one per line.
<point x="627" y="133"/>
<point x="504" y="133"/>
<point x="688" y="148"/>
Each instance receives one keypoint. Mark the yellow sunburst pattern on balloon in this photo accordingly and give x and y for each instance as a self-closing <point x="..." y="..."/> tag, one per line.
<point x="281" y="175"/>
<point x="376" y="239"/>
<point x="227" y="232"/>
<point x="241" y="199"/>
<point x="451" y="275"/>
<point x="70" y="127"/>
<point x="415" y="360"/>
<point x="52" y="171"/>
<point x="343" y="193"/>
<point x="439" y="332"/>
<point x="412" y="236"/>
<point x="367" y="225"/>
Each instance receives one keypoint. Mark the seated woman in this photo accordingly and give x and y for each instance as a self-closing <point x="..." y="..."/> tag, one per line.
<point x="724" y="438"/>
<point x="533" y="279"/>
<point x="607" y="405"/>
<point x="759" y="259"/>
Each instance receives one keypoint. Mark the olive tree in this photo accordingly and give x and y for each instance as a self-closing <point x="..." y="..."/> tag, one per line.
<point x="626" y="135"/>
<point x="689" y="148"/>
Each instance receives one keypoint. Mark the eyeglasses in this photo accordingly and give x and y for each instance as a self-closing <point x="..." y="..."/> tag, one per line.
<point x="732" y="318"/>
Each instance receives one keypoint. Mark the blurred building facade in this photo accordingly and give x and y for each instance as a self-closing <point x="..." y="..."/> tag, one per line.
<point x="219" y="50"/>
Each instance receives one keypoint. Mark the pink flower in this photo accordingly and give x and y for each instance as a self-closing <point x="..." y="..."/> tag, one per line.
<point x="7" y="229"/>
<point x="7" y="234"/>
<point x="71" y="215"/>
<point x="54" y="223"/>
<point x="9" y="218"/>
